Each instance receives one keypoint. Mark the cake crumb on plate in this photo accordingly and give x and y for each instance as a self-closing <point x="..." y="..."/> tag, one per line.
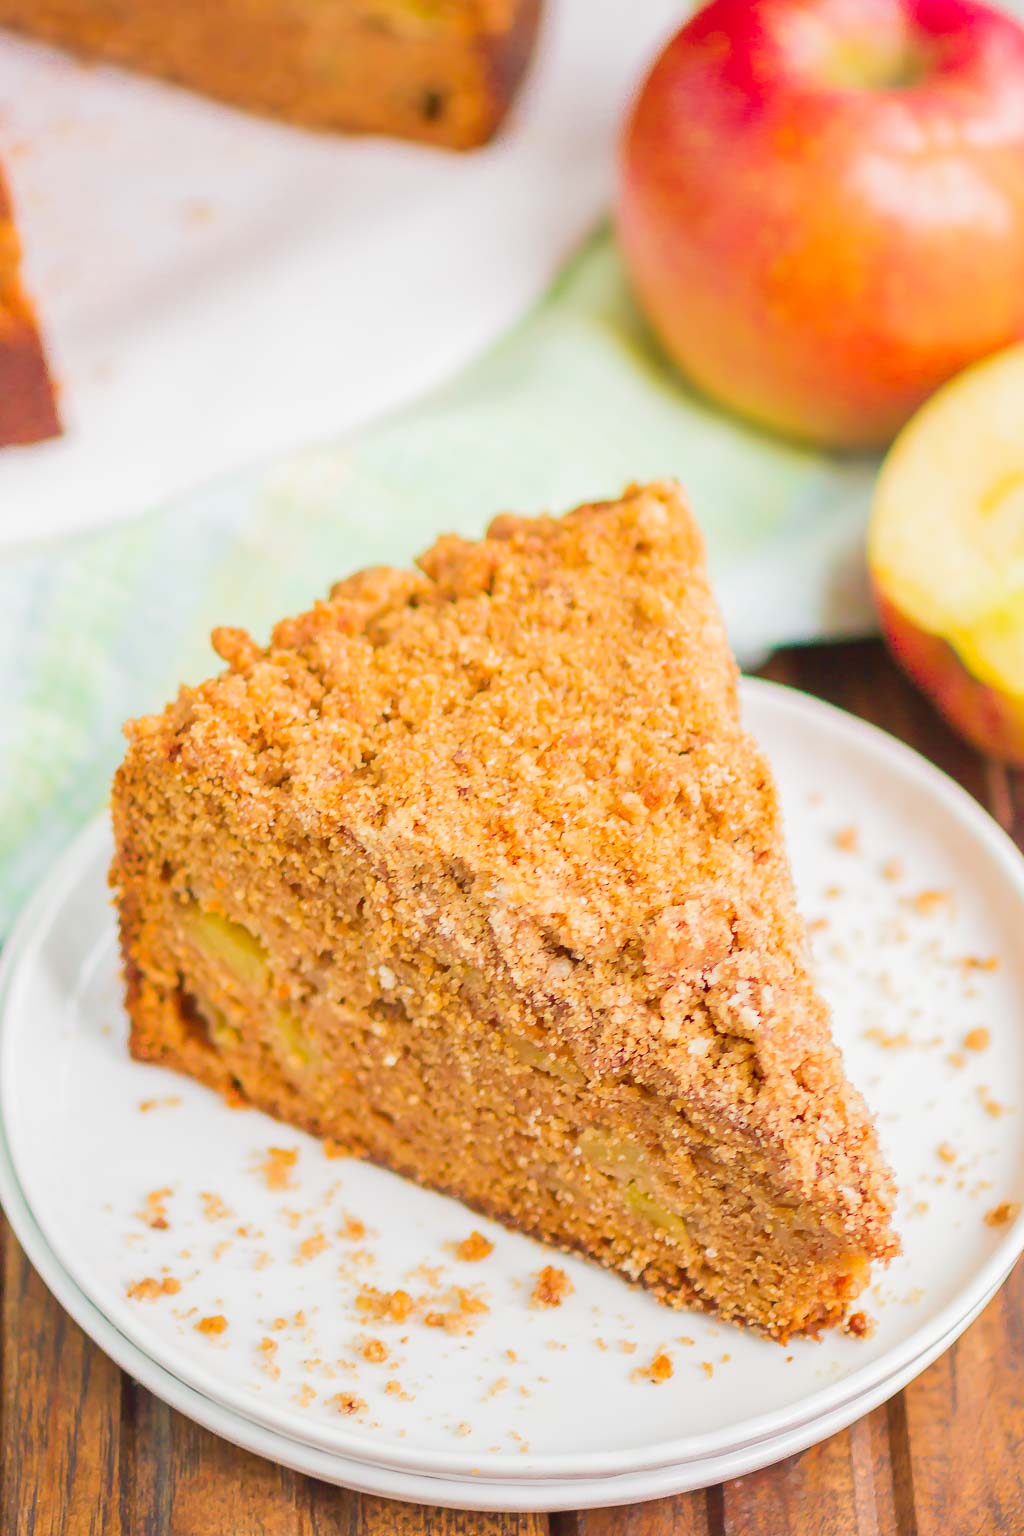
<point x="552" y="1287"/>
<point x="154" y="1212"/>
<point x="277" y="1167"/>
<point x="990" y="1105"/>
<point x="1000" y="1215"/>
<point x="149" y="1288"/>
<point x="659" y="1369"/>
<point x="473" y="1248"/>
<point x="929" y="901"/>
<point x="212" y="1325"/>
<point x="214" y="1208"/>
<point x="310" y="1247"/>
<point x="385" y="1306"/>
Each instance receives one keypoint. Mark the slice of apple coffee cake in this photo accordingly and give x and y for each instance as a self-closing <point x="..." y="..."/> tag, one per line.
<point x="475" y="871"/>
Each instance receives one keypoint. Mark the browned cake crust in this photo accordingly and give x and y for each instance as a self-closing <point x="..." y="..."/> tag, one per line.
<point x="475" y="871"/>
<point x="28" y="409"/>
<point x="442" y="71"/>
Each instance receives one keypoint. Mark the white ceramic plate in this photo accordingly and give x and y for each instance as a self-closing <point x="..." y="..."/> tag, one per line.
<point x="469" y="1493"/>
<point x="904" y="959"/>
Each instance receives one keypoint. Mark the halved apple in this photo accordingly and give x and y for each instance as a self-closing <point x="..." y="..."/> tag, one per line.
<point x="946" y="552"/>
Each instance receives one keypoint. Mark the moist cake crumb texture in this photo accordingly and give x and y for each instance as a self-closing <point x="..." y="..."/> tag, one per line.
<point x="474" y="871"/>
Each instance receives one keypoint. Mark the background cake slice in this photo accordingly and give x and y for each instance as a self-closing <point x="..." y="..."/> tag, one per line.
<point x="475" y="871"/>
<point x="443" y="71"/>
<point x="28" y="409"/>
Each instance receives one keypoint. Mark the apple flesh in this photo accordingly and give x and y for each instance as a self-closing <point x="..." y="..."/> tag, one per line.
<point x="946" y="552"/>
<point x="821" y="206"/>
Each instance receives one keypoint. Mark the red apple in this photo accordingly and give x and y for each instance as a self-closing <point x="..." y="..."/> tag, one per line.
<point x="822" y="205"/>
<point x="946" y="552"/>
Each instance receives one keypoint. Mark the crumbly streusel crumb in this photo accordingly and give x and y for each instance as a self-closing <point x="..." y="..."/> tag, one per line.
<point x="214" y="1208"/>
<point x="278" y="1166"/>
<point x="150" y="1288"/>
<point x="929" y="901"/>
<point x="659" y="1369"/>
<point x="457" y="1312"/>
<point x="310" y="1247"/>
<point x="989" y="1104"/>
<point x="552" y="1287"/>
<point x="154" y="1212"/>
<point x="214" y="1324"/>
<point x="1001" y="1215"/>
<point x="474" y="1248"/>
<point x="385" y="1306"/>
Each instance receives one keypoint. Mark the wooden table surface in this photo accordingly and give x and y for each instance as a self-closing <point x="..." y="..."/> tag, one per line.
<point x="84" y="1449"/>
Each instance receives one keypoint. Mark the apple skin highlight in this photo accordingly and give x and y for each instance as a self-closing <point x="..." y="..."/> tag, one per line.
<point x="821" y="208"/>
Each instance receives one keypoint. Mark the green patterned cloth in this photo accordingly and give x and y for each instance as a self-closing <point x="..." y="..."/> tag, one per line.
<point x="572" y="405"/>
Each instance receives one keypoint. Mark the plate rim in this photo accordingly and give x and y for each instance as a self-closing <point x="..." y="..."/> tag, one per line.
<point x="582" y="1465"/>
<point x="251" y="1436"/>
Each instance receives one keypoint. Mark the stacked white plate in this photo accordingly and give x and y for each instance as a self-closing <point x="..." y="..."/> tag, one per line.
<point x="234" y="1269"/>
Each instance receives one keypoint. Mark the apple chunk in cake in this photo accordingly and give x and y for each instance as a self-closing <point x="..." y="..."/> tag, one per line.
<point x="475" y="871"/>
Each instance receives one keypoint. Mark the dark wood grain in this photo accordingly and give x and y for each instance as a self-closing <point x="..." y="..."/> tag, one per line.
<point x="688" y="1515"/>
<point x="965" y="1426"/>
<point x="86" y="1452"/>
<point x="381" y="1517"/>
<point x="839" y="1488"/>
<point x="214" y="1486"/>
<point x="60" y="1461"/>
